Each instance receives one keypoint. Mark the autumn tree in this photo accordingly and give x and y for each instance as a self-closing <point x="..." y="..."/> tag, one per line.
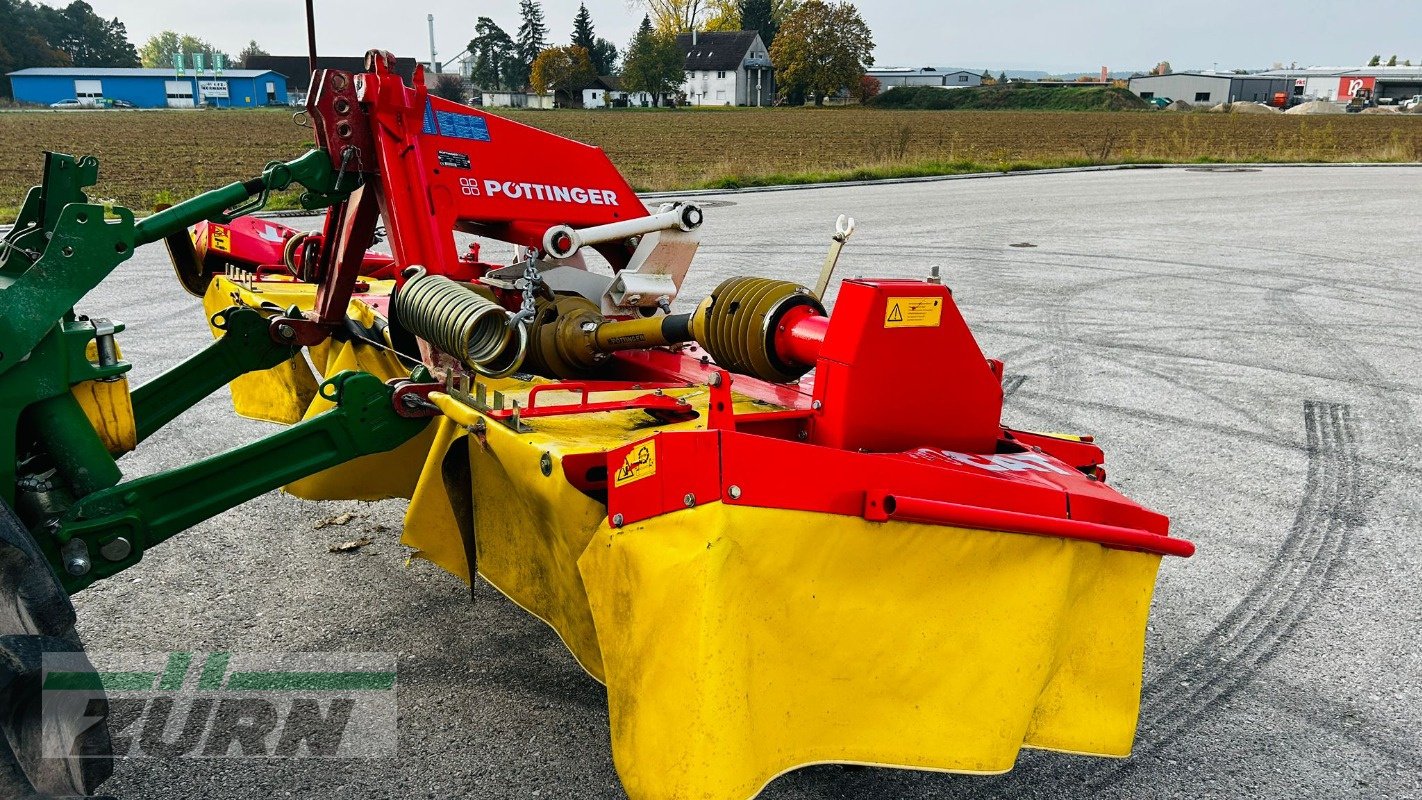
<point x="654" y="63"/>
<point x="562" y="69"/>
<point x="532" y="41"/>
<point x="822" y="48"/>
<point x="675" y="16"/>
<point x="869" y="88"/>
<point x="448" y="85"/>
<point x="158" y="51"/>
<point x="496" y="61"/>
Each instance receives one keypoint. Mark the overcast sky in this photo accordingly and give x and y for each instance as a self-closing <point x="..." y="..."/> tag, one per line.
<point x="990" y="34"/>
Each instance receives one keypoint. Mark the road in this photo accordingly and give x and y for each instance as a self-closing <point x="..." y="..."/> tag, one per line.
<point x="1243" y="344"/>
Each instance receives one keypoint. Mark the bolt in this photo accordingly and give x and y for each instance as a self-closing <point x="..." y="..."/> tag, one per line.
<point x="689" y="500"/>
<point x="616" y="520"/>
<point x="817" y="405"/>
<point x="802" y="435"/>
<point x="76" y="557"/>
<point x="715" y="379"/>
<point x="117" y="550"/>
<point x="286" y="332"/>
<point x="545" y="464"/>
<point x="734" y="492"/>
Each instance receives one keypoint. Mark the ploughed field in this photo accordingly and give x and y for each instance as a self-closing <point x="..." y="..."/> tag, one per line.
<point x="163" y="156"/>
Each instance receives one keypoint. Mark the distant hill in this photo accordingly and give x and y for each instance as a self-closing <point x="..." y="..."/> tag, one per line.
<point x="1010" y="98"/>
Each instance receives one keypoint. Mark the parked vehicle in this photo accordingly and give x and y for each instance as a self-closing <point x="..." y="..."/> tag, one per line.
<point x="70" y="103"/>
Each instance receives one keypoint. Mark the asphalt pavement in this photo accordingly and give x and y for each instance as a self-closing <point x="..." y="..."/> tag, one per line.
<point x="1242" y="342"/>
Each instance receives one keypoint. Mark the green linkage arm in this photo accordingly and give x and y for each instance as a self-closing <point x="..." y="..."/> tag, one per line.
<point x="312" y="171"/>
<point x="147" y="511"/>
<point x="245" y="346"/>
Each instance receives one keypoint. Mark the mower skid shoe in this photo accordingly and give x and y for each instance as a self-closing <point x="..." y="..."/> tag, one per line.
<point x="37" y="618"/>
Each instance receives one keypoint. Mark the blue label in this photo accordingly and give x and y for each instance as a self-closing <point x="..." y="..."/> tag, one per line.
<point x="462" y="126"/>
<point x="430" y="126"/>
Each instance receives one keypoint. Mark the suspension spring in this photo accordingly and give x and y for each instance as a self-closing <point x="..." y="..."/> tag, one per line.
<point x="461" y="322"/>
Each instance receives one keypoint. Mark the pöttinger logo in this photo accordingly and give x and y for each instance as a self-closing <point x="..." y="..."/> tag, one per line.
<point x="227" y="705"/>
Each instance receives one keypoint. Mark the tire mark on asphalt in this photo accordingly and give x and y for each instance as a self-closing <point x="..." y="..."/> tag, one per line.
<point x="1011" y="384"/>
<point x="1234" y="651"/>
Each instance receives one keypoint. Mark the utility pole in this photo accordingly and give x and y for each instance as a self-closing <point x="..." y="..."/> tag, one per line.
<point x="434" y="57"/>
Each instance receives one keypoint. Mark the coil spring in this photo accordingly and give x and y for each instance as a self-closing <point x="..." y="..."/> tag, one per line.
<point x="461" y="322"/>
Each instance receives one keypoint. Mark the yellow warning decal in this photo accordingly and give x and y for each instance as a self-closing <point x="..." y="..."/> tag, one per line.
<point x="913" y="312"/>
<point x="221" y="239"/>
<point x="639" y="463"/>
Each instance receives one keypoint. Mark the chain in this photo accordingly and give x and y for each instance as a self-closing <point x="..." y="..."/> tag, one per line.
<point x="531" y="278"/>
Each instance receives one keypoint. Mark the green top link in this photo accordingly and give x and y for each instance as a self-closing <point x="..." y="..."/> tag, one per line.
<point x="324" y="187"/>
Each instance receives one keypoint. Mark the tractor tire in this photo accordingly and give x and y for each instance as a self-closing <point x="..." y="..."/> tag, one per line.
<point x="36" y="617"/>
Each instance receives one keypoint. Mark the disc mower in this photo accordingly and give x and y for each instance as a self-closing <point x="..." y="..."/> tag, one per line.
<point x="779" y="533"/>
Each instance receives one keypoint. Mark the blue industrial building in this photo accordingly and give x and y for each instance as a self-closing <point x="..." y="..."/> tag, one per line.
<point x="149" y="88"/>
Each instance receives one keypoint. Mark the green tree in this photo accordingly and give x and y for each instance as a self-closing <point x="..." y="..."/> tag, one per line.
<point x="604" y="57"/>
<point x="252" y="49"/>
<point x="759" y="16"/>
<point x="496" y="60"/>
<point x="583" y="35"/>
<point x="22" y="44"/>
<point x="822" y="48"/>
<point x="1002" y="77"/>
<point x="532" y="40"/>
<point x="562" y="69"/>
<point x="90" y="40"/>
<point x="1392" y="62"/>
<point x="654" y="63"/>
<point x="157" y="52"/>
<point x="1376" y="60"/>
<point x="601" y="52"/>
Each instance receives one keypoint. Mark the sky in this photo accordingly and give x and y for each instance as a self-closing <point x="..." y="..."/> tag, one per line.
<point x="989" y="34"/>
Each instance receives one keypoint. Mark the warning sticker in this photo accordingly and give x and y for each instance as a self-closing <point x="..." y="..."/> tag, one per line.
<point x="640" y="463"/>
<point x="221" y="239"/>
<point x="913" y="312"/>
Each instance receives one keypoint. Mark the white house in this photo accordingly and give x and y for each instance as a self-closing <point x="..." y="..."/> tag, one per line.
<point x="606" y="92"/>
<point x="727" y="68"/>
<point x="518" y="100"/>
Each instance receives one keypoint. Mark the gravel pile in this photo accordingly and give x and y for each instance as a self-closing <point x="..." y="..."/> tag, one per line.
<point x="1179" y="105"/>
<point x="1316" y="107"/>
<point x="1251" y="108"/>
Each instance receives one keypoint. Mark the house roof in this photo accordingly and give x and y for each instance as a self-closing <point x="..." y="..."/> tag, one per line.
<point x="298" y="76"/>
<point x="716" y="50"/>
<point x="127" y="72"/>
